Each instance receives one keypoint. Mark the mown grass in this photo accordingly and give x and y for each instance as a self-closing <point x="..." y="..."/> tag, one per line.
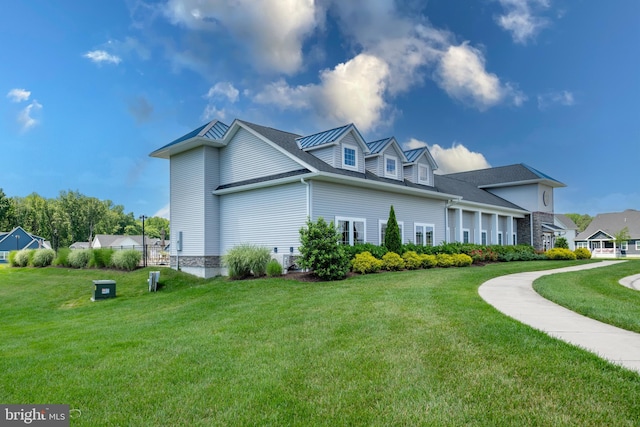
<point x="597" y="294"/>
<point x="406" y="348"/>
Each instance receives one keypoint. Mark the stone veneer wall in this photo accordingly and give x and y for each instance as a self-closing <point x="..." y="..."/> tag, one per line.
<point x="211" y="261"/>
<point x="538" y="219"/>
<point x="523" y="230"/>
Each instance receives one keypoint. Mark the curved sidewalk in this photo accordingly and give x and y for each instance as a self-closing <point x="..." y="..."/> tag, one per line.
<point x="514" y="296"/>
<point x="632" y="282"/>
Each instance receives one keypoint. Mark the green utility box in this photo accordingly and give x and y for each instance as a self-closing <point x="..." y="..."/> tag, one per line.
<point x="103" y="289"/>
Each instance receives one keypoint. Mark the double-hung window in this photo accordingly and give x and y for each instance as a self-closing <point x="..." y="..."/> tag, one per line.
<point x="382" y="229"/>
<point x="352" y="230"/>
<point x="423" y="174"/>
<point x="424" y="234"/>
<point x="483" y="237"/>
<point x="624" y="246"/>
<point x="637" y="245"/>
<point x="465" y="235"/>
<point x="349" y="157"/>
<point x="500" y="237"/>
<point x="390" y="166"/>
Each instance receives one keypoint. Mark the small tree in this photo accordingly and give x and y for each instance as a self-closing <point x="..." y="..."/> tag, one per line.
<point x="392" y="239"/>
<point x="561" y="242"/>
<point x="621" y="237"/>
<point x="320" y="251"/>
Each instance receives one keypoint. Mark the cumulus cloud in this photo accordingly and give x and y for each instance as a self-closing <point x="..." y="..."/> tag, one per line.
<point x="101" y="56"/>
<point x="458" y="158"/>
<point x="463" y="75"/>
<point x="549" y="99"/>
<point x="26" y="117"/>
<point x="224" y="90"/>
<point x="272" y="30"/>
<point x="18" y="95"/>
<point x="164" y="211"/>
<point x="350" y="92"/>
<point x="520" y="18"/>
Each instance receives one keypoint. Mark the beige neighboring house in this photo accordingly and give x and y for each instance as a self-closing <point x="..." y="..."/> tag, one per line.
<point x="599" y="237"/>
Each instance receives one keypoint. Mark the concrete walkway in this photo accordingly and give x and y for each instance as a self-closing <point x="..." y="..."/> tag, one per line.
<point x="514" y="296"/>
<point x="632" y="282"/>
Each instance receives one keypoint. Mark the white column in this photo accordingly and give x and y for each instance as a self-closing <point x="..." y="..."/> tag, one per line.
<point x="509" y="239"/>
<point x="477" y="225"/>
<point x="458" y="225"/>
<point x="494" y="229"/>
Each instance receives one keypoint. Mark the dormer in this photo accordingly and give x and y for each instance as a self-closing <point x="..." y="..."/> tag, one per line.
<point x="342" y="147"/>
<point x="385" y="159"/>
<point x="420" y="166"/>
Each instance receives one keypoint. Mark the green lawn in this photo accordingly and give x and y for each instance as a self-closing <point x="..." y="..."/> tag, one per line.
<point x="407" y="348"/>
<point x="597" y="294"/>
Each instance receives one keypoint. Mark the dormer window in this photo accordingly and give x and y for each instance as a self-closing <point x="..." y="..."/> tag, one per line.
<point x="423" y="174"/>
<point x="349" y="157"/>
<point x="390" y="166"/>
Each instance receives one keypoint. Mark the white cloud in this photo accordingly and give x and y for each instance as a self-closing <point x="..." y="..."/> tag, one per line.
<point x="272" y="30"/>
<point x="413" y="143"/>
<point x="520" y="18"/>
<point x="211" y="112"/>
<point x="351" y="92"/>
<point x="549" y="99"/>
<point x="462" y="74"/>
<point x="25" y="117"/>
<point x="100" y="56"/>
<point x="164" y="211"/>
<point x="224" y="89"/>
<point x="458" y="158"/>
<point x="18" y="95"/>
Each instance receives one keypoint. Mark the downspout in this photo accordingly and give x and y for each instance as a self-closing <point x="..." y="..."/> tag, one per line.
<point x="531" y="228"/>
<point x="308" y="197"/>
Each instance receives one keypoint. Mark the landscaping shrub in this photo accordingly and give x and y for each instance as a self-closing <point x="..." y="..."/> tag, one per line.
<point x="127" y="259"/>
<point x="428" y="261"/>
<point x="12" y="258"/>
<point x="244" y="259"/>
<point x="62" y="257"/>
<point x="79" y="258"/>
<point x="412" y="260"/>
<point x="582" y="253"/>
<point x="392" y="238"/>
<point x="444" y="260"/>
<point x="21" y="258"/>
<point x="560" y="253"/>
<point x="43" y="257"/>
<point x="320" y="251"/>
<point x="391" y="261"/>
<point x="561" y="242"/>
<point x="375" y="250"/>
<point x="364" y="263"/>
<point x="274" y="269"/>
<point x="461" y="260"/>
<point x="101" y="257"/>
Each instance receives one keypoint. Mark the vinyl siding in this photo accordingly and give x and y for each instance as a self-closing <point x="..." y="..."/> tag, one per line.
<point x="270" y="217"/>
<point x="373" y="165"/>
<point x="330" y="200"/>
<point x="525" y="196"/>
<point x="350" y="140"/>
<point x="187" y="201"/>
<point x="248" y="157"/>
<point x="327" y="154"/>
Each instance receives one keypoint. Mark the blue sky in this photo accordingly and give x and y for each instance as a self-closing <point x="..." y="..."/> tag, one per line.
<point x="89" y="89"/>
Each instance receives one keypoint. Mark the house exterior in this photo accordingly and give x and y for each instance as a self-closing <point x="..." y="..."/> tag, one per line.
<point x="247" y="183"/>
<point x="599" y="237"/>
<point x="569" y="229"/>
<point x="18" y="239"/>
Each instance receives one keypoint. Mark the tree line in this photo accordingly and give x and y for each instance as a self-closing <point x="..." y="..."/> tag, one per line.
<point x="73" y="217"/>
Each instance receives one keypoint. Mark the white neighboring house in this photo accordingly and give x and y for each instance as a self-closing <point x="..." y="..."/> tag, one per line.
<point x="599" y="236"/>
<point x="247" y="183"/>
<point x="569" y="229"/>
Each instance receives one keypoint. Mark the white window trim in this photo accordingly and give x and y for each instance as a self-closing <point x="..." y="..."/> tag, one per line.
<point x="352" y="219"/>
<point x="384" y="165"/>
<point x="468" y="231"/>
<point x="382" y="222"/>
<point x="624" y="246"/>
<point x="637" y="245"/>
<point x="486" y="237"/>
<point x="584" y="245"/>
<point x="424" y="227"/>
<point x="355" y="149"/>
<point x="423" y="181"/>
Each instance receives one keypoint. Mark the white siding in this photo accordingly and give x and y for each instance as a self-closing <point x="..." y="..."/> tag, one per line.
<point x="270" y="217"/>
<point x="373" y="165"/>
<point x="350" y="140"/>
<point x="525" y="196"/>
<point x="248" y="157"/>
<point x="327" y="154"/>
<point x="411" y="173"/>
<point x="330" y="200"/>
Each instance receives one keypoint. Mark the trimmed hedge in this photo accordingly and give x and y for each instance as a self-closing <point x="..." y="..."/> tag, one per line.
<point x="364" y="263"/>
<point x="560" y="253"/>
<point x="391" y="261"/>
<point x="412" y="260"/>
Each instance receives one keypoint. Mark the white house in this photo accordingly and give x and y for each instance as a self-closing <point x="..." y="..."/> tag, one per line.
<point x="247" y="183"/>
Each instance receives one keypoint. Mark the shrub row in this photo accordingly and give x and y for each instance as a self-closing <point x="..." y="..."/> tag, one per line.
<point x="78" y="258"/>
<point x="365" y="262"/>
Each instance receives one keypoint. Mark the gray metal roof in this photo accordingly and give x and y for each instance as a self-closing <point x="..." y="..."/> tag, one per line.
<point x="505" y="175"/>
<point x="324" y="137"/>
<point x="412" y="155"/>
<point x="215" y="129"/>
<point x="613" y="223"/>
<point x="377" y="146"/>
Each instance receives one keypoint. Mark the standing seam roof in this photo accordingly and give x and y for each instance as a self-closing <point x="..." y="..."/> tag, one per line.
<point x="322" y="137"/>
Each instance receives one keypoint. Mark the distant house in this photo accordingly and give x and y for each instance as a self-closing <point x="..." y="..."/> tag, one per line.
<point x="18" y="239"/>
<point x="569" y="229"/>
<point x="599" y="237"/>
<point x="115" y="241"/>
<point x="247" y="183"/>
